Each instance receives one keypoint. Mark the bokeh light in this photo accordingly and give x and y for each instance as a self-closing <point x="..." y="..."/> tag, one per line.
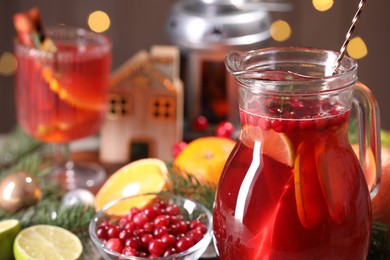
<point x="357" y="48"/>
<point x="280" y="30"/>
<point x="322" y="5"/>
<point x="8" y="64"/>
<point x="99" y="21"/>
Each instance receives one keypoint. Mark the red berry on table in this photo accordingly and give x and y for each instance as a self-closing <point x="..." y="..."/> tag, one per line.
<point x="200" y="123"/>
<point x="178" y="147"/>
<point x="224" y="129"/>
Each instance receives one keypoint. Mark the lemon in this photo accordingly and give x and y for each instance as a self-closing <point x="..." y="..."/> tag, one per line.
<point x="46" y="242"/>
<point x="275" y="145"/>
<point x="142" y="176"/>
<point x="9" y="229"/>
<point x="205" y="157"/>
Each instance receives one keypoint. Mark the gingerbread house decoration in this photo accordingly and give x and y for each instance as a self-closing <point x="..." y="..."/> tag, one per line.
<point x="145" y="111"/>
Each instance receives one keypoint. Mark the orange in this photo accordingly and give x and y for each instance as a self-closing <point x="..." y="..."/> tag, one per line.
<point x="275" y="145"/>
<point x="205" y="157"/>
<point x="142" y="176"/>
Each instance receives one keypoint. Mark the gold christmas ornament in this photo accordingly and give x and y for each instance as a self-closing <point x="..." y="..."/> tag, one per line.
<point x="18" y="190"/>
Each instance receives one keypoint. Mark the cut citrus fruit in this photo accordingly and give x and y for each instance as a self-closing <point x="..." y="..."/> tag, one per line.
<point x="46" y="242"/>
<point x="338" y="174"/>
<point x="308" y="195"/>
<point x="275" y="145"/>
<point x="142" y="176"/>
<point x="72" y="95"/>
<point x="205" y="157"/>
<point x="9" y="229"/>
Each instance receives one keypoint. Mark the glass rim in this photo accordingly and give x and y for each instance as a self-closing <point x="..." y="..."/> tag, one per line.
<point x="103" y="43"/>
<point x="249" y="67"/>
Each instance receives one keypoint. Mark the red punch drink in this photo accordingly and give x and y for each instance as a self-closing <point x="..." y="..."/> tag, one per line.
<point x="62" y="96"/>
<point x="292" y="187"/>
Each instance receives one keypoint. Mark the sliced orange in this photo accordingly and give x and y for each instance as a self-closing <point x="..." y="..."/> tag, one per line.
<point x="205" y="157"/>
<point x="78" y="97"/>
<point x="139" y="177"/>
<point x="308" y="195"/>
<point x="275" y="145"/>
<point x="338" y="174"/>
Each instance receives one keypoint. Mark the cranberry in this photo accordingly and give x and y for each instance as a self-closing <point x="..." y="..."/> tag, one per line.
<point x="145" y="240"/>
<point x="148" y="227"/>
<point x="159" y="231"/>
<point x="133" y="211"/>
<point x="155" y="231"/>
<point x="178" y="147"/>
<point x="130" y="226"/>
<point x="200" y="123"/>
<point x="195" y="235"/>
<point x="156" y="247"/>
<point x="170" y="251"/>
<point x="278" y="125"/>
<point x="114" y="244"/>
<point x="161" y="220"/>
<point x="129" y="251"/>
<point x="124" y="235"/>
<point x="133" y="242"/>
<point x="101" y="233"/>
<point x="264" y="123"/>
<point x="224" y="129"/>
<point x="151" y="212"/>
<point x="183" y="244"/>
<point x="169" y="240"/>
<point x="113" y="231"/>
<point x="172" y="210"/>
<point x="140" y="219"/>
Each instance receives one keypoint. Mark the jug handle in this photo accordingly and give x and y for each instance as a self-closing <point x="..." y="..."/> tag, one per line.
<point x="368" y="119"/>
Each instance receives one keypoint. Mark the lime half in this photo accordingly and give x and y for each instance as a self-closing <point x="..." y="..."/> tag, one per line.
<point x="46" y="242"/>
<point x="9" y="229"/>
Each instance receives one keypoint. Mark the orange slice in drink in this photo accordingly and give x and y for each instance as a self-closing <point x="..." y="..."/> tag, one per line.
<point x="308" y="195"/>
<point x="139" y="177"/>
<point x="337" y="173"/>
<point x="78" y="97"/>
<point x="275" y="145"/>
<point x="205" y="157"/>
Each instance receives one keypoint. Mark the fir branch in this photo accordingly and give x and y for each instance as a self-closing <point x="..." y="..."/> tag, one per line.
<point x="186" y="184"/>
<point x="16" y="145"/>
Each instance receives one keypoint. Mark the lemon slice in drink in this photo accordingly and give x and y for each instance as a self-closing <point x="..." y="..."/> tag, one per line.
<point x="142" y="176"/>
<point x="45" y="242"/>
<point x="275" y="145"/>
<point x="9" y="229"/>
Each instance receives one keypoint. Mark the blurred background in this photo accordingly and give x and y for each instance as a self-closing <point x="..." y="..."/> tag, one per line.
<point x="136" y="25"/>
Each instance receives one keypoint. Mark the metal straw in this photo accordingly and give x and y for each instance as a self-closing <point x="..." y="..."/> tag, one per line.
<point x="349" y="35"/>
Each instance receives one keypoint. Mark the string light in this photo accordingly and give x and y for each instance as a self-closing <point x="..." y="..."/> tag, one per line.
<point x="99" y="21"/>
<point x="357" y="48"/>
<point x="280" y="30"/>
<point x="8" y="64"/>
<point x="322" y="5"/>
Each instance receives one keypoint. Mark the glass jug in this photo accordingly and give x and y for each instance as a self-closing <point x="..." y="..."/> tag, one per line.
<point x="293" y="187"/>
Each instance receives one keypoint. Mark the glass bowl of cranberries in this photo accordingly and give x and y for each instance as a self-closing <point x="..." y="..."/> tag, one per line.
<point x="159" y="226"/>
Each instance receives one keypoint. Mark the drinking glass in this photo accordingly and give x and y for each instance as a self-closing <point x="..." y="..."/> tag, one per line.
<point x="293" y="187"/>
<point x="61" y="97"/>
